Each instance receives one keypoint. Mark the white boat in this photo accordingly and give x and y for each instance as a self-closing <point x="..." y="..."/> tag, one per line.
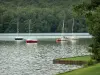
<point x="63" y="38"/>
<point x="73" y="37"/>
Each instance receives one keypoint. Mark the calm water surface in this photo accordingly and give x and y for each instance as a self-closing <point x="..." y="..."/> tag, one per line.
<point x="20" y="58"/>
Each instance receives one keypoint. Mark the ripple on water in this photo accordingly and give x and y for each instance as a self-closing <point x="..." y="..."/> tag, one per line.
<point x="23" y="59"/>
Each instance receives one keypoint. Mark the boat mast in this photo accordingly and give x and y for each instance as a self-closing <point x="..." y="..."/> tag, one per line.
<point x="63" y="29"/>
<point x="17" y="26"/>
<point x="17" y="21"/>
<point x="63" y="24"/>
<point x="73" y="26"/>
<point x="29" y="25"/>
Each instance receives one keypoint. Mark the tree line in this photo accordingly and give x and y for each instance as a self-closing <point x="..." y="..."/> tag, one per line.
<point x="46" y="16"/>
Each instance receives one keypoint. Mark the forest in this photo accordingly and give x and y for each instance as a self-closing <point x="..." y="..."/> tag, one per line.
<point x="46" y="16"/>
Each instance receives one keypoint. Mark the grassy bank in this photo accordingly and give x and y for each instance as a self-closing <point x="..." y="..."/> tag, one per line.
<point x="79" y="58"/>
<point x="92" y="70"/>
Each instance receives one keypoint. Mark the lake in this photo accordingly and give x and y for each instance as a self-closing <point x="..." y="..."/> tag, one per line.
<point x="20" y="58"/>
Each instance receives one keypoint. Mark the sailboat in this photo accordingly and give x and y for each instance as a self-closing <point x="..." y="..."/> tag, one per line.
<point x="73" y="37"/>
<point x="18" y="37"/>
<point x="31" y="40"/>
<point x="63" y="38"/>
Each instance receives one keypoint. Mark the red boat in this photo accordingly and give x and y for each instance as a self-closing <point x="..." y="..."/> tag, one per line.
<point x="31" y="41"/>
<point x="58" y="40"/>
<point x="62" y="39"/>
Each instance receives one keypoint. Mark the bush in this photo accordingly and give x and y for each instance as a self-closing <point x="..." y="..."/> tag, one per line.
<point x="91" y="62"/>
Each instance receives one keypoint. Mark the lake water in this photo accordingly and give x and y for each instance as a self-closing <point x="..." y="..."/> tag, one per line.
<point x="20" y="58"/>
<point x="12" y="36"/>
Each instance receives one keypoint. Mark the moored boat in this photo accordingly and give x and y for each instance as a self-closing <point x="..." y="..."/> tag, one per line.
<point x="31" y="41"/>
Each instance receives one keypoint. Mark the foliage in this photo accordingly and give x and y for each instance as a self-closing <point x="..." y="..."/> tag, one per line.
<point x="91" y="12"/>
<point x="91" y="62"/>
<point x="46" y="16"/>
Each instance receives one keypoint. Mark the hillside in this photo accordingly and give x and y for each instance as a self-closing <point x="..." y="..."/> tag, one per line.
<point x="46" y="16"/>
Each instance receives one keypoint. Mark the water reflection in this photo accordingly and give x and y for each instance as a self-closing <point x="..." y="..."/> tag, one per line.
<point x="33" y="45"/>
<point x="74" y="48"/>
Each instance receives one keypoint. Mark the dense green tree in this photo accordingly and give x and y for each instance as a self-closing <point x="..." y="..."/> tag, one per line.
<point x="91" y="12"/>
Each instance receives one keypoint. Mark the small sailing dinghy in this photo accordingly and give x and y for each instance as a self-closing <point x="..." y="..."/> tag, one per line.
<point x="18" y="37"/>
<point x="73" y="37"/>
<point x="63" y="38"/>
<point x="31" y="40"/>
